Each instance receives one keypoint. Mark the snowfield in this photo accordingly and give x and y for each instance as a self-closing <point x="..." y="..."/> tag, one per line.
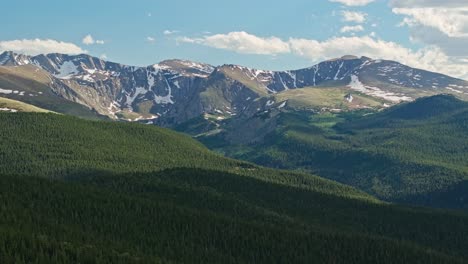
<point x="357" y="85"/>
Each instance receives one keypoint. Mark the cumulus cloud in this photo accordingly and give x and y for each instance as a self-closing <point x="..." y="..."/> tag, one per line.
<point x="150" y="39"/>
<point x="40" y="46"/>
<point x="429" y="36"/>
<point x="430" y="58"/>
<point x="242" y="42"/>
<point x="451" y="21"/>
<point x="353" y="2"/>
<point x="350" y="16"/>
<point x="428" y="3"/>
<point x="89" y="40"/>
<point x="437" y="23"/>
<point x="347" y="29"/>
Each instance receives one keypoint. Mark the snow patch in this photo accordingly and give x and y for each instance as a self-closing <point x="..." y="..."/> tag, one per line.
<point x="338" y="71"/>
<point x="5" y="91"/>
<point x="66" y="70"/>
<point x="285" y="87"/>
<point x="199" y="66"/>
<point x="150" y="80"/>
<point x="131" y="98"/>
<point x="454" y="90"/>
<point x="294" y="77"/>
<point x="356" y="85"/>
<point x="141" y="118"/>
<point x="114" y="108"/>
<point x="167" y="99"/>
<point x="160" y="67"/>
<point x="8" y="110"/>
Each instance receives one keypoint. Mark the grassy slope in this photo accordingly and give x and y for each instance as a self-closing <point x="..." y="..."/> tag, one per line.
<point x="20" y="106"/>
<point x="326" y="97"/>
<point x="34" y="83"/>
<point x="412" y="153"/>
<point x="134" y="193"/>
<point x="238" y="75"/>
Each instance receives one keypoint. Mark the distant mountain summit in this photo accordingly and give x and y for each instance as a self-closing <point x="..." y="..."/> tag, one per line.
<point x="175" y="91"/>
<point x="9" y="58"/>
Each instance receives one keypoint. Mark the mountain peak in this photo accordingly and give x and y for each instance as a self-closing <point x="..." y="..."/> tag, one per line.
<point x="10" y="58"/>
<point x="186" y="67"/>
<point x="349" y="57"/>
<point x="7" y="53"/>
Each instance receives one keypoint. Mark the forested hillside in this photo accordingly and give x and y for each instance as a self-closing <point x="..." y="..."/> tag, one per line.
<point x="96" y="192"/>
<point x="412" y="153"/>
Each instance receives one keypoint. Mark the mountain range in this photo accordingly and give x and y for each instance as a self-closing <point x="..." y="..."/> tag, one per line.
<point x="175" y="91"/>
<point x="350" y="148"/>
<point x="283" y="119"/>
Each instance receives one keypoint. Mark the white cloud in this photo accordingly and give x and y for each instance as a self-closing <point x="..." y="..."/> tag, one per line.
<point x="430" y="58"/>
<point x="40" y="46"/>
<point x="170" y="32"/>
<point x="150" y="39"/>
<point x="103" y="56"/>
<point x="242" y="42"/>
<point x="453" y="22"/>
<point x="353" y="2"/>
<point x="189" y="40"/>
<point x="347" y="29"/>
<point x="89" y="40"/>
<point x="429" y="36"/>
<point x="436" y="23"/>
<point x="428" y="3"/>
<point x="350" y="16"/>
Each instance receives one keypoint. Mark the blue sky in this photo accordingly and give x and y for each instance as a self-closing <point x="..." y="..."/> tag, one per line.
<point x="273" y="34"/>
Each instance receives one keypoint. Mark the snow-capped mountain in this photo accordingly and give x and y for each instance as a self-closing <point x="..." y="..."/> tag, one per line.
<point x="9" y="58"/>
<point x="384" y="79"/>
<point x="174" y="91"/>
<point x="113" y="89"/>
